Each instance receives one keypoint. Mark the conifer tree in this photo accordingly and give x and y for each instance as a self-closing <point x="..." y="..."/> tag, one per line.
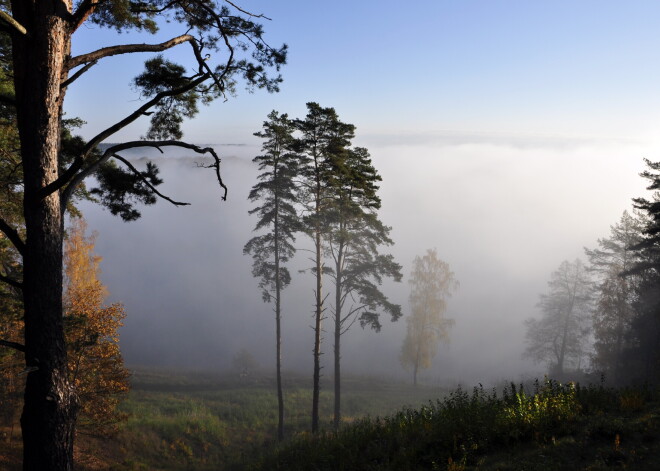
<point x="615" y="294"/>
<point x="354" y="238"/>
<point x="321" y="134"/>
<point x="226" y="45"/>
<point x="642" y="359"/>
<point x="277" y="193"/>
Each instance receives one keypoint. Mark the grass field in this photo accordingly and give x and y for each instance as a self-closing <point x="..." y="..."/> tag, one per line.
<point x="194" y="421"/>
<point x="201" y="421"/>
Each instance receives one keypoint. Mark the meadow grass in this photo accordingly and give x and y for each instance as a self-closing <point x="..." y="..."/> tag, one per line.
<point x="184" y="421"/>
<point x="189" y="422"/>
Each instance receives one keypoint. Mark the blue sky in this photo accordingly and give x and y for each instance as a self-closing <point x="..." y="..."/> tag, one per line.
<point x="562" y="67"/>
<point x="509" y="135"/>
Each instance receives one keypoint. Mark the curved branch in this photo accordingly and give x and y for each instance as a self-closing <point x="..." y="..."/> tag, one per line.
<point x="146" y="182"/>
<point x="253" y="15"/>
<point x="76" y="174"/>
<point x="111" y="152"/>
<point x="13" y="236"/>
<point x="126" y="49"/>
<point x="158" y="144"/>
<point x="78" y="73"/>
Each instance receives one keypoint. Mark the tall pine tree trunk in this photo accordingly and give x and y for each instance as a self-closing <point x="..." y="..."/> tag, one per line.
<point x="338" y="288"/>
<point x="49" y="413"/>
<point x="278" y="327"/>
<point x="318" y="316"/>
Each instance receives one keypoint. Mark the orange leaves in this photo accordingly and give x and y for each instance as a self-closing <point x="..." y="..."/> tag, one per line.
<point x="95" y="363"/>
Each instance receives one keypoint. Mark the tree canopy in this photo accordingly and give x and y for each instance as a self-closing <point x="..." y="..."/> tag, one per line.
<point x="227" y="47"/>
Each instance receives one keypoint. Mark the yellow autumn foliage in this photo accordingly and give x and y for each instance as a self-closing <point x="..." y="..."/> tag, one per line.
<point x="431" y="283"/>
<point x="95" y="362"/>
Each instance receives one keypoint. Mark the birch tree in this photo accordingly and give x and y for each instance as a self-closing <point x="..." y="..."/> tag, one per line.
<point x="431" y="284"/>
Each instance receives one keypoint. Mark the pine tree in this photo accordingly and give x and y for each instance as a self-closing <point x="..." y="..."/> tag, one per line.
<point x="431" y="283"/>
<point x="615" y="294"/>
<point x="277" y="193"/>
<point x="642" y="358"/>
<point x="353" y="240"/>
<point x="226" y="46"/>
<point x="322" y="135"/>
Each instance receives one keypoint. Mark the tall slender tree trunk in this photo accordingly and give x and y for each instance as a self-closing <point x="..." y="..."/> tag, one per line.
<point x="50" y="407"/>
<point x="278" y="322"/>
<point x="318" y="316"/>
<point x="338" y="306"/>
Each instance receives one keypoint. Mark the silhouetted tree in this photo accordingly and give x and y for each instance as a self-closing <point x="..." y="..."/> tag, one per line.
<point x="321" y="134"/>
<point x="560" y="336"/>
<point x="353" y="240"/>
<point x="42" y="69"/>
<point x="431" y="283"/>
<point x="642" y="358"/>
<point x="615" y="294"/>
<point x="277" y="193"/>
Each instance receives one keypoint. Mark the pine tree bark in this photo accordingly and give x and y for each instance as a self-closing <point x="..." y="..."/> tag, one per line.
<point x="50" y="407"/>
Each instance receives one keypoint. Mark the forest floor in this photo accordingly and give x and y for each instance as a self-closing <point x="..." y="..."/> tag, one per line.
<point x="184" y="421"/>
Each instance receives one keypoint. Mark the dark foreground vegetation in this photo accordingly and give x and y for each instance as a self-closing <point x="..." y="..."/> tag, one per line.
<point x="202" y="422"/>
<point x="550" y="427"/>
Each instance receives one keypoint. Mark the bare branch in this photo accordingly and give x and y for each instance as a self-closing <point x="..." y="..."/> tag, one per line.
<point x="14" y="345"/>
<point x="13" y="236"/>
<point x="260" y="15"/>
<point x="146" y="182"/>
<point x="126" y="49"/>
<point x="158" y="144"/>
<point x="112" y="152"/>
<point x="8" y="20"/>
<point x="78" y="73"/>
